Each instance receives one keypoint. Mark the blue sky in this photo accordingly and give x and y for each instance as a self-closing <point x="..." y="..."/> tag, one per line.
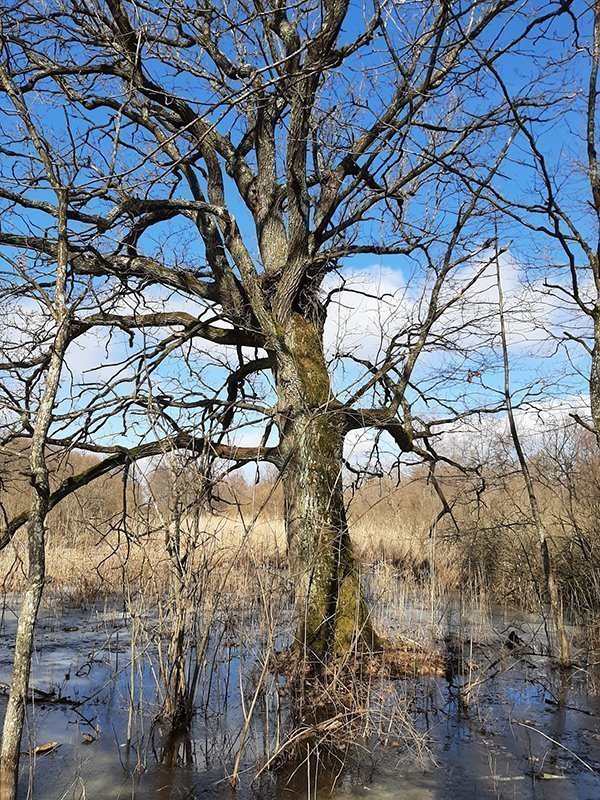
<point x="542" y="370"/>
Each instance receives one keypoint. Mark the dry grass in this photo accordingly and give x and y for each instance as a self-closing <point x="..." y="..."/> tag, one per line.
<point x="141" y="562"/>
<point x="100" y="566"/>
<point x="486" y="547"/>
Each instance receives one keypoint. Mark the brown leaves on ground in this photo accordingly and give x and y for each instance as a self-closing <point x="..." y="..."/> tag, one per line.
<point x="403" y="658"/>
<point x="42" y="749"/>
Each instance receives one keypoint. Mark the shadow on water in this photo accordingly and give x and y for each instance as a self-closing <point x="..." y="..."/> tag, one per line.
<point x="501" y="724"/>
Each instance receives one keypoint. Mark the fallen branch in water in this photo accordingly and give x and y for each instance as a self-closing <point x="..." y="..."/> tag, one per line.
<point x="550" y="739"/>
<point x="46" y="697"/>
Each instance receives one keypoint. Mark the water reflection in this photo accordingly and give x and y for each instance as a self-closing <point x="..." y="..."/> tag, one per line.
<point x="498" y="726"/>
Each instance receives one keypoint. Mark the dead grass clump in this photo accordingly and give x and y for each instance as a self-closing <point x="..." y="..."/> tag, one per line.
<point x="402" y="658"/>
<point x="405" y="659"/>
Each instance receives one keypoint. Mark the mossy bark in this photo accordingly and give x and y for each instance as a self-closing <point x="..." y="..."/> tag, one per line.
<point x="334" y="617"/>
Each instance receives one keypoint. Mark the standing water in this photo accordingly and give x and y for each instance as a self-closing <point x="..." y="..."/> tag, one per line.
<point x="500" y="723"/>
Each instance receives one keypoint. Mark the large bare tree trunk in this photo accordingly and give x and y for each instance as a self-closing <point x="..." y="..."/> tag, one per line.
<point x="334" y="617"/>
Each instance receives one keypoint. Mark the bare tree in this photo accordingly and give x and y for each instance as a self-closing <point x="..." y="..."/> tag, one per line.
<point x="38" y="425"/>
<point x="551" y="592"/>
<point x="560" y="207"/>
<point x="227" y="160"/>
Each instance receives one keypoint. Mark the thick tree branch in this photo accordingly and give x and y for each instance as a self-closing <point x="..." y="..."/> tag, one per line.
<point x="191" y="324"/>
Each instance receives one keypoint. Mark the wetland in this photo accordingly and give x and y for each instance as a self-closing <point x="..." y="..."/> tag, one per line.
<point x="500" y="722"/>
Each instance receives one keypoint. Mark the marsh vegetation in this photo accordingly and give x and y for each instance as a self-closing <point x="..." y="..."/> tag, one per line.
<point x="164" y="653"/>
<point x="299" y="396"/>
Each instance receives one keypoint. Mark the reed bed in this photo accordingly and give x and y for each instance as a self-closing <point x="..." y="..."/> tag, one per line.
<point x="490" y="558"/>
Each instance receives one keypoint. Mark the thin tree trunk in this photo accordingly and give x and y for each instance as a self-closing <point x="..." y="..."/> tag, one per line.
<point x="15" y="710"/>
<point x="595" y="374"/>
<point x="333" y="614"/>
<point x="178" y="706"/>
<point x="551" y="588"/>
<point x="594" y="176"/>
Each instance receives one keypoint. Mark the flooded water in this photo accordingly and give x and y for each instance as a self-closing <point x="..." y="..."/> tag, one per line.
<point x="501" y="724"/>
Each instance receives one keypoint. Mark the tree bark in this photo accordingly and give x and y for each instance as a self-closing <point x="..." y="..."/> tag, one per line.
<point x="334" y="618"/>
<point x="15" y="710"/>
<point x="178" y="706"/>
<point x="595" y="374"/>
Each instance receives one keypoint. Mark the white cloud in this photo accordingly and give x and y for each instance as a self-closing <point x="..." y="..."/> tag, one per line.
<point x="371" y="304"/>
<point x="375" y="303"/>
<point x="537" y="424"/>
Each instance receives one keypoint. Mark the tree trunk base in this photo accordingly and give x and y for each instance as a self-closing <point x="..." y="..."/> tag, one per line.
<point x="385" y="660"/>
